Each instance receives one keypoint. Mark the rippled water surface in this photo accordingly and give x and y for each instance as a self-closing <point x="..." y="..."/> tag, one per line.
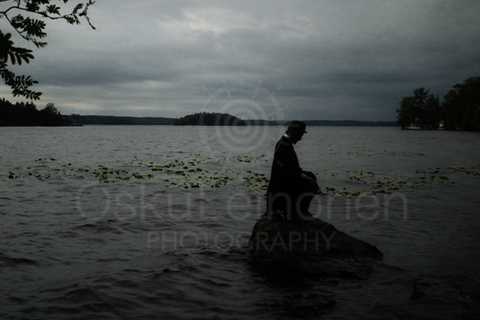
<point x="152" y="221"/>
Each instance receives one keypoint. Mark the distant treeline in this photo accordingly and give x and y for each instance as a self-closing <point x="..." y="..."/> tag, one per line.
<point x="351" y="123"/>
<point x="341" y="123"/>
<point x="196" y="120"/>
<point x="116" y="120"/>
<point x="27" y="114"/>
<point x="209" y="119"/>
<point x="460" y="109"/>
<point x="212" y="119"/>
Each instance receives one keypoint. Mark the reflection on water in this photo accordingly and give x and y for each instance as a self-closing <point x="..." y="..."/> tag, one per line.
<point x="123" y="222"/>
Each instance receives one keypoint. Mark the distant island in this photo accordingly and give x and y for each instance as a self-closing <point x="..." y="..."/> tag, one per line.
<point x="209" y="119"/>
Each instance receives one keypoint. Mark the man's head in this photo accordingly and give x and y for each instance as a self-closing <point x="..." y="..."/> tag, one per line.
<point x="296" y="130"/>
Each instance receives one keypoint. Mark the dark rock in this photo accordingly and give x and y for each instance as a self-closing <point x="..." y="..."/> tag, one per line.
<point x="312" y="247"/>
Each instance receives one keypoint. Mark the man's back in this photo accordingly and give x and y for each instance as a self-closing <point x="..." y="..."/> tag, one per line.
<point x="286" y="171"/>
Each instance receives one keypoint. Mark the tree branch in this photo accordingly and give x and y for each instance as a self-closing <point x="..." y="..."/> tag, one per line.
<point x="31" y="29"/>
<point x="16" y="30"/>
<point x="44" y="14"/>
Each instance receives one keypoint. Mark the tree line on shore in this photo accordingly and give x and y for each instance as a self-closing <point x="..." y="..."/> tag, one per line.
<point x="27" y="114"/>
<point x="459" y="110"/>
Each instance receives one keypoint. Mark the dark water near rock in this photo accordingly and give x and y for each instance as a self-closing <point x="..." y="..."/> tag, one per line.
<point x="151" y="222"/>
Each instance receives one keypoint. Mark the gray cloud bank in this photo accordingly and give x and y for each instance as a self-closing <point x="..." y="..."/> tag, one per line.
<point x="273" y="59"/>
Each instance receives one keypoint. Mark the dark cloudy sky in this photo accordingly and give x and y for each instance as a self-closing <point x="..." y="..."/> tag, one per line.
<point x="277" y="59"/>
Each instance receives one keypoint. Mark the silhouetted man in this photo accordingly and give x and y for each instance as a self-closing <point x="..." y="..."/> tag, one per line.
<point x="291" y="189"/>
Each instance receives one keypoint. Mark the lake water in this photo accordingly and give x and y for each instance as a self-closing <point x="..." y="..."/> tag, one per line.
<point x="151" y="221"/>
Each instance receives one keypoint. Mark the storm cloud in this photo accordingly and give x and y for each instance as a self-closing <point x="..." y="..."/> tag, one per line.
<point x="273" y="59"/>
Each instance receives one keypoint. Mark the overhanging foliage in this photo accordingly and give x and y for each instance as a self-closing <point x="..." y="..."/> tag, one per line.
<point x="26" y="19"/>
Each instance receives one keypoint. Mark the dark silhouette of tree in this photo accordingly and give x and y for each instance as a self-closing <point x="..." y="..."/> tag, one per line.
<point x="27" y="114"/>
<point x="50" y="116"/>
<point x="461" y="106"/>
<point x="422" y="110"/>
<point x="428" y="109"/>
<point x="27" y="19"/>
<point x="210" y="119"/>
<point x="406" y="113"/>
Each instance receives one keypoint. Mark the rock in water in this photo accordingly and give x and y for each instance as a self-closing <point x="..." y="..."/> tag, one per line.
<point x="312" y="245"/>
